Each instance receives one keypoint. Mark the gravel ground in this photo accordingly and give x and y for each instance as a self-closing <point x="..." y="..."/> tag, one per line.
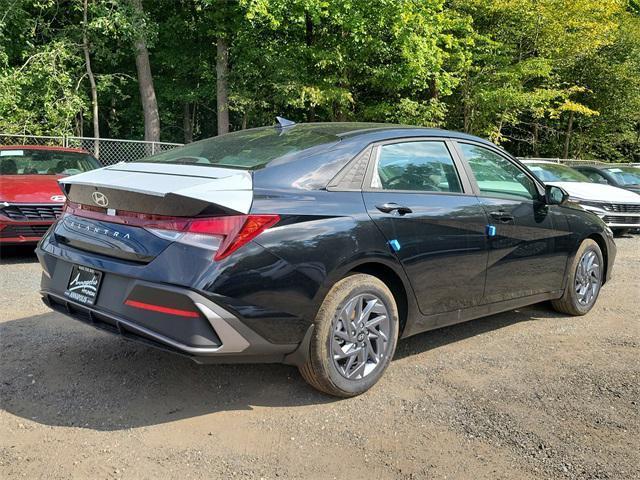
<point x="525" y="394"/>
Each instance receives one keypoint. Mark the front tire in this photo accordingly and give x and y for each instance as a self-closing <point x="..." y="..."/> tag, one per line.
<point x="354" y="337"/>
<point x="584" y="282"/>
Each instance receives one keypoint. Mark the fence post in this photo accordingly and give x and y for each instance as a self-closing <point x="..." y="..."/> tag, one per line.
<point x="153" y="148"/>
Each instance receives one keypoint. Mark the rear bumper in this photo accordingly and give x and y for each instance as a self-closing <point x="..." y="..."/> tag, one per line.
<point x="211" y="334"/>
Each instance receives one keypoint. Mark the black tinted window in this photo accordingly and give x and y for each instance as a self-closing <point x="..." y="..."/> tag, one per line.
<point x="417" y="166"/>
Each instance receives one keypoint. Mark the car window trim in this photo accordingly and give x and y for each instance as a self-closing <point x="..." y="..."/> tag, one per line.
<point x="465" y="183"/>
<point x="501" y="153"/>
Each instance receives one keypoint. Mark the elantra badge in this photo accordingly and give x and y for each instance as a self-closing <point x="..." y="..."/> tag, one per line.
<point x="58" y="198"/>
<point x="100" y="199"/>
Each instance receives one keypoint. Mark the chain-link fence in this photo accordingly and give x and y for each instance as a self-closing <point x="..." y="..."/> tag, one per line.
<point x="108" y="150"/>
<point x="575" y="161"/>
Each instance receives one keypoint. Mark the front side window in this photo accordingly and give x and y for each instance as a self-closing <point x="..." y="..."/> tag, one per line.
<point x="497" y="176"/>
<point x="416" y="166"/>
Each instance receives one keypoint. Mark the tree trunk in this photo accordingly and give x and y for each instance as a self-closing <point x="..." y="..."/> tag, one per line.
<point x="567" y="137"/>
<point x="222" y="92"/>
<point x="536" y="134"/>
<point x="92" y="81"/>
<point x="187" y="123"/>
<point x="466" y="107"/>
<point x="145" y="83"/>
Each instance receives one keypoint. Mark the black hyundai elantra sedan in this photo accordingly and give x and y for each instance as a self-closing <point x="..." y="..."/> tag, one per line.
<point x="316" y="245"/>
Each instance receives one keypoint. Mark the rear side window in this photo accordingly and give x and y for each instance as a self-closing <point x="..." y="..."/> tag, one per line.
<point x="416" y="166"/>
<point x="496" y="176"/>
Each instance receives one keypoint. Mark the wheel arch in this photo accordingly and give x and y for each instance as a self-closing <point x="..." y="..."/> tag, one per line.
<point x="393" y="280"/>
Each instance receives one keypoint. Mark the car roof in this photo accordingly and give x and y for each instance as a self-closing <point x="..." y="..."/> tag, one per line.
<point x="381" y="131"/>
<point x="44" y="148"/>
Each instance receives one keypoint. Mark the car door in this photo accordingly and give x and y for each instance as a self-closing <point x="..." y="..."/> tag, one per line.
<point x="527" y="254"/>
<point x="424" y="205"/>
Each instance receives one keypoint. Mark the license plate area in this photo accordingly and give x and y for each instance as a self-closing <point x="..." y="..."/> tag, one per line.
<point x="84" y="285"/>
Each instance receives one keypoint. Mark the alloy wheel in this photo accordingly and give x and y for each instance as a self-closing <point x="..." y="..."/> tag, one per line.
<point x="588" y="277"/>
<point x="360" y="336"/>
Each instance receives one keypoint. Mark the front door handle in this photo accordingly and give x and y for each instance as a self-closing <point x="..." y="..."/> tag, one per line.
<point x="502" y="216"/>
<point x="393" y="207"/>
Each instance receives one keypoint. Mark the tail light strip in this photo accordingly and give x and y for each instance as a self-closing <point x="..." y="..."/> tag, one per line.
<point x="224" y="235"/>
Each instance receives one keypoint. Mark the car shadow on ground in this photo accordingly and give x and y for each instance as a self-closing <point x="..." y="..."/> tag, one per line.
<point x="13" y="254"/>
<point x="57" y="372"/>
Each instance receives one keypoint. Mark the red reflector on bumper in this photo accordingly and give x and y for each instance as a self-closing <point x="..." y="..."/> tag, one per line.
<point x="161" y="309"/>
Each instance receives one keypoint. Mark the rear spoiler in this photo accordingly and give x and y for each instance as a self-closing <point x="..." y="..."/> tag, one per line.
<point x="164" y="189"/>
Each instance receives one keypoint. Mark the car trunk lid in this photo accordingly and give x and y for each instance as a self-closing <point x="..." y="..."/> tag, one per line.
<point x="111" y="209"/>
<point x="163" y="189"/>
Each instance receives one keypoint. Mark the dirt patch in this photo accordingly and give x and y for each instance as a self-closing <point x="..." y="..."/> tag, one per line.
<point x="524" y="394"/>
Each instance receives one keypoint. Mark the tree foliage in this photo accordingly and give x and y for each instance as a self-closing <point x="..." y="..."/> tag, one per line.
<point x="541" y="77"/>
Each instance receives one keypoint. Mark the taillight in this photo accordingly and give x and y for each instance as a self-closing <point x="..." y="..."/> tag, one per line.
<point x="223" y="235"/>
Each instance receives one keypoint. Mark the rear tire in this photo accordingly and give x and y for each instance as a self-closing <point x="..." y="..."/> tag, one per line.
<point x="584" y="282"/>
<point x="619" y="232"/>
<point x="354" y="337"/>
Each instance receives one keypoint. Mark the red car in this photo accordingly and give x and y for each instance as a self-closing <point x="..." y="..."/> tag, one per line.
<point x="30" y="198"/>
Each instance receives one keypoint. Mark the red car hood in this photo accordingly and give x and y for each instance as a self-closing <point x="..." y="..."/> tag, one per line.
<point x="30" y="189"/>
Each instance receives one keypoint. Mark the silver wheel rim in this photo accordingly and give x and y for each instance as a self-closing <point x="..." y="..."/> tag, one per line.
<point x="588" y="277"/>
<point x="360" y="337"/>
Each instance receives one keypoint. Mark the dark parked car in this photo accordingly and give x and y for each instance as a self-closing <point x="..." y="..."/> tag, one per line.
<point x="618" y="176"/>
<point x="316" y="245"/>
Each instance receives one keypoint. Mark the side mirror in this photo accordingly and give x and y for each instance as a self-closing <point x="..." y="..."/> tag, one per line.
<point x="555" y="195"/>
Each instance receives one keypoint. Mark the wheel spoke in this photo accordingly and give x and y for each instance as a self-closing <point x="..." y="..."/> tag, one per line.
<point x="375" y="321"/>
<point x="340" y="352"/>
<point x="371" y="352"/>
<point x="350" y="362"/>
<point x="342" y="335"/>
<point x="366" y="311"/>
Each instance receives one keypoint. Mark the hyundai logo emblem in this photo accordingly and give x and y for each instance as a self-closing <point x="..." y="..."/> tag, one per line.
<point x="100" y="199"/>
<point x="57" y="198"/>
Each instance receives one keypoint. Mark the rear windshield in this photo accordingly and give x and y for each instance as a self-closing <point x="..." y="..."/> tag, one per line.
<point x="45" y="162"/>
<point x="247" y="149"/>
<point x="625" y="175"/>
<point x="552" y="172"/>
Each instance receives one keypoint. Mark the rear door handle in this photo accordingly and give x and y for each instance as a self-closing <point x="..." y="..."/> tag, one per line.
<point x="393" y="207"/>
<point x="502" y="216"/>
